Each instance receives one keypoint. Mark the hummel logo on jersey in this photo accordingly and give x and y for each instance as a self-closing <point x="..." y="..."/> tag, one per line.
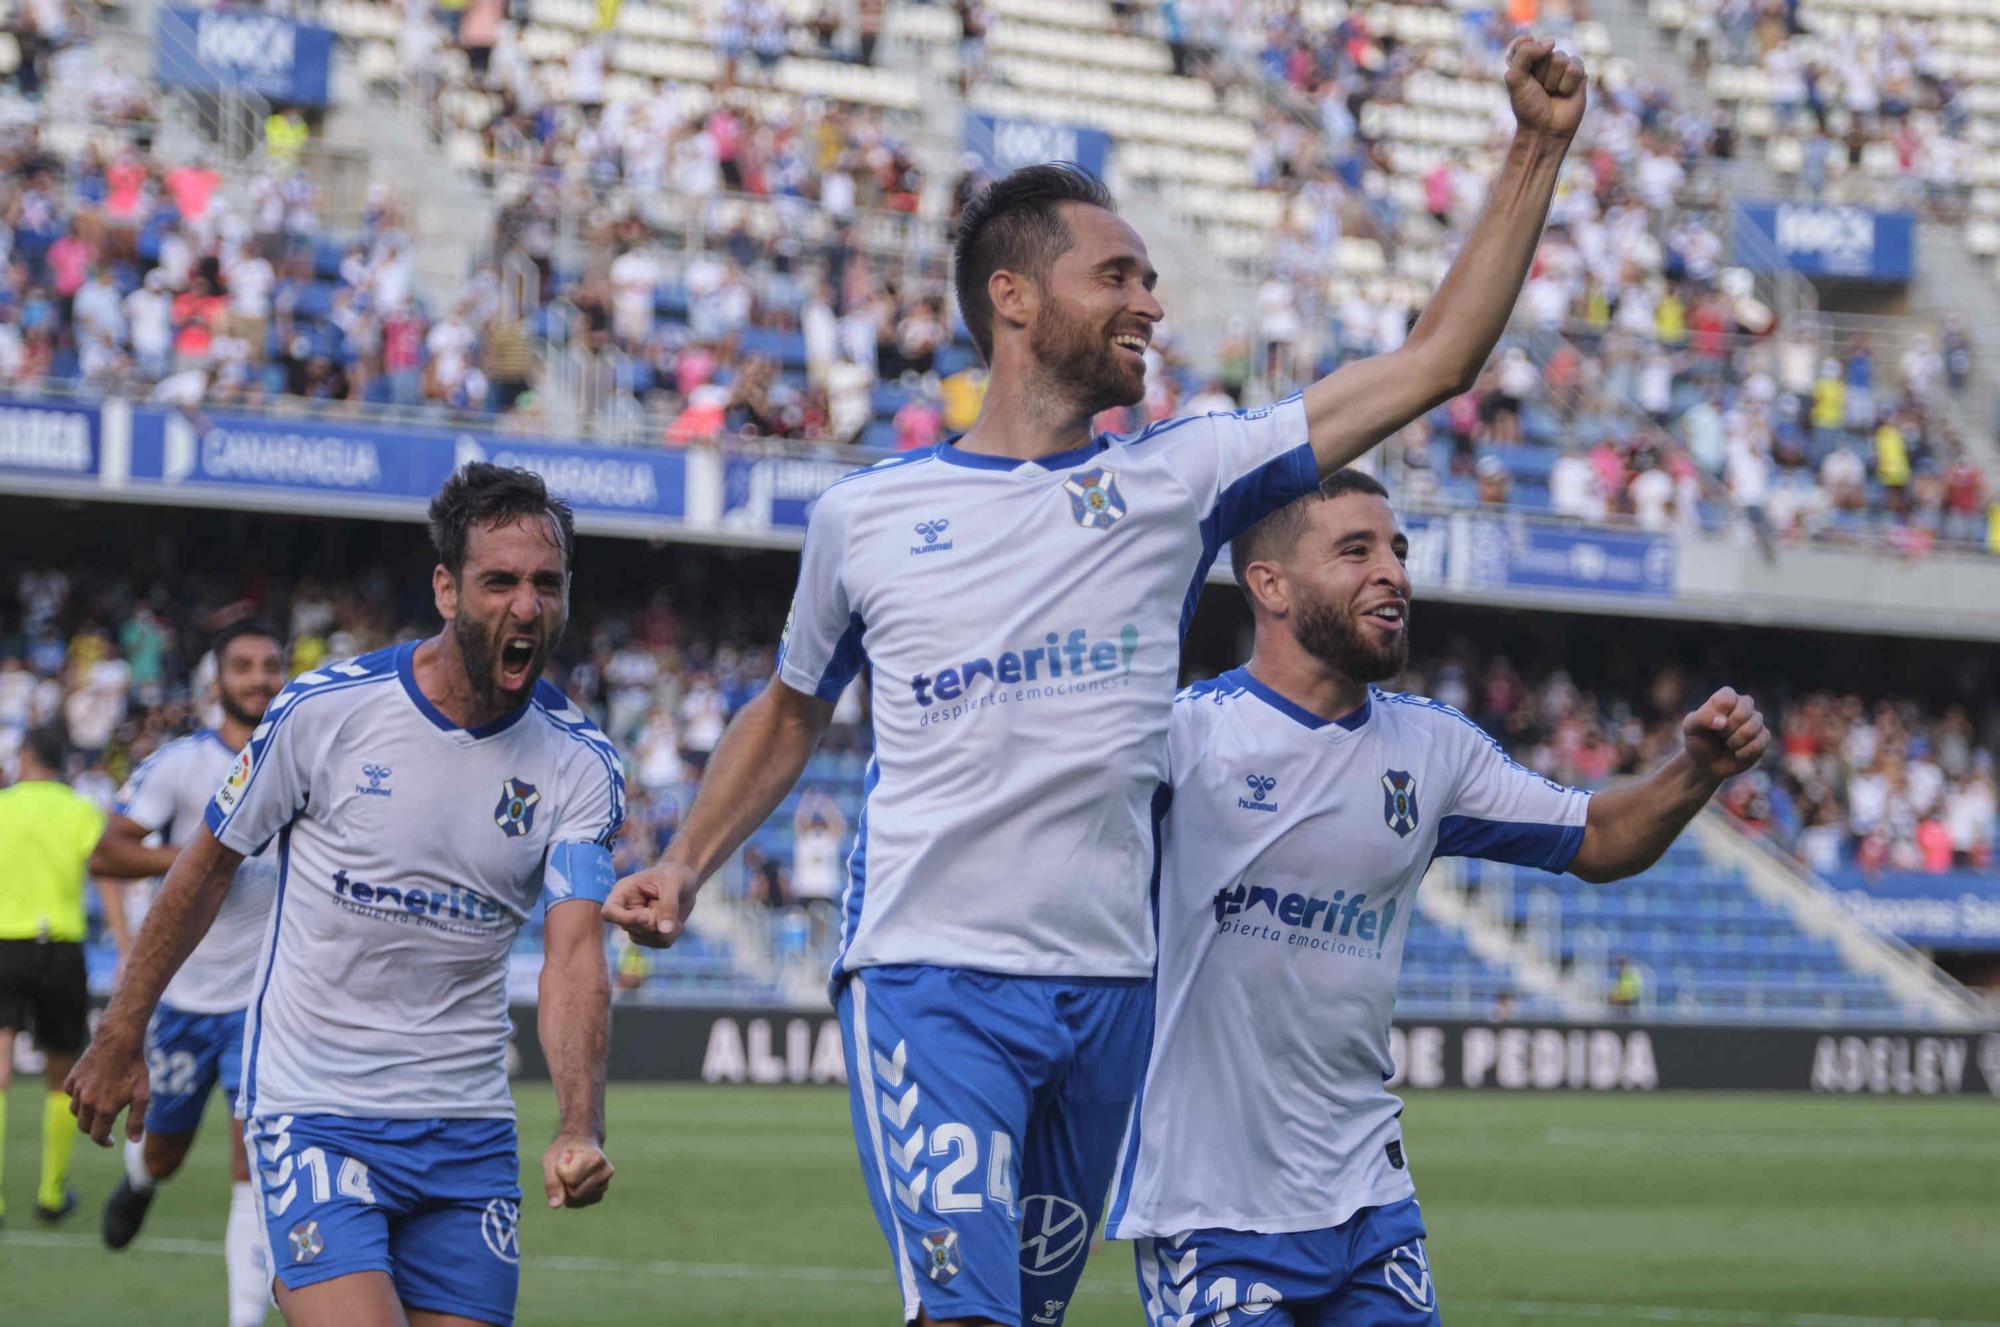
<point x="1399" y="801"/>
<point x="1061" y="655"/>
<point x="1260" y="787"/>
<point x="377" y="775"/>
<point x="1342" y="915"/>
<point x="932" y="532"/>
<point x="1094" y="500"/>
<point x="516" y="813"/>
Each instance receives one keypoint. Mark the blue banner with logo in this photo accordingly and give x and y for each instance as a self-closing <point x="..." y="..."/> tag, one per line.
<point x="48" y="440"/>
<point x="1820" y="239"/>
<point x="208" y="50"/>
<point x="773" y="492"/>
<point x="1956" y="910"/>
<point x="1511" y="552"/>
<point x="362" y="464"/>
<point x="1004" y="143"/>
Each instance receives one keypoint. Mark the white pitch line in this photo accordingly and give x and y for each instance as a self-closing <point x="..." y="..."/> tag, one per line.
<point x="858" y="1277"/>
<point x="1723" y="1317"/>
<point x="1770" y="1143"/>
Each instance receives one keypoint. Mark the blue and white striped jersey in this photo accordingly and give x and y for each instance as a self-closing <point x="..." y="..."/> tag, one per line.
<point x="168" y="795"/>
<point x="1022" y="623"/>
<point x="409" y="853"/>
<point x="1291" y="852"/>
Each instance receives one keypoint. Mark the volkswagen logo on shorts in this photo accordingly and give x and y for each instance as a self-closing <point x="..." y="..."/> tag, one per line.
<point x="1054" y="1232"/>
<point x="500" y="1227"/>
<point x="1407" y="1271"/>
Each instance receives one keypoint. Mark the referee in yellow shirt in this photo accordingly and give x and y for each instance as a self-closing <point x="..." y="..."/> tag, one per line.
<point x="47" y="831"/>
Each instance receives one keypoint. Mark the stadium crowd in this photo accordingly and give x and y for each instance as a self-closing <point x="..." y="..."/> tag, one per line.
<point x="1875" y="783"/>
<point x="1882" y="783"/>
<point x="1643" y="382"/>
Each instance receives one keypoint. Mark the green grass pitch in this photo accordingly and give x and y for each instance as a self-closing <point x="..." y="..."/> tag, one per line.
<point x="744" y="1206"/>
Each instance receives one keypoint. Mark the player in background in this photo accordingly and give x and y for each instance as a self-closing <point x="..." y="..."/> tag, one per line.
<point x="423" y="799"/>
<point x="1266" y="1179"/>
<point x="195" y="1039"/>
<point x="1019" y="595"/>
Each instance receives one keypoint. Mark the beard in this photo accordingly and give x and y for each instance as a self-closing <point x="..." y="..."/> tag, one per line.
<point x="1332" y="636"/>
<point x="480" y="647"/>
<point x="238" y="712"/>
<point x="1081" y="360"/>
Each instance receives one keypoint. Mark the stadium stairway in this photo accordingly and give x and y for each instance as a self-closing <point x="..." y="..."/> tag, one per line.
<point x="1723" y="928"/>
<point x="451" y="215"/>
<point x="1909" y="976"/>
<point x="1448" y="901"/>
<point x="1949" y="275"/>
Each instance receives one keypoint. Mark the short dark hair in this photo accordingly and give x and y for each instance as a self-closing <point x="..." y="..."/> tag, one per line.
<point x="236" y="631"/>
<point x="48" y="746"/>
<point x="1015" y="224"/>
<point x="481" y="493"/>
<point x="1275" y="535"/>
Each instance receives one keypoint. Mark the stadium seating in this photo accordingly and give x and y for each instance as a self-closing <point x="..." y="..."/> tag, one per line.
<point x="1709" y="948"/>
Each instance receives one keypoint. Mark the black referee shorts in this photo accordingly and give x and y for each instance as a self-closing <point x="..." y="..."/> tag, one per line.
<point x="44" y="990"/>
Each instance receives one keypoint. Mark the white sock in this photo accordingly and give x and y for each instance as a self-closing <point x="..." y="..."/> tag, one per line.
<point x="135" y="1166"/>
<point x="247" y="1256"/>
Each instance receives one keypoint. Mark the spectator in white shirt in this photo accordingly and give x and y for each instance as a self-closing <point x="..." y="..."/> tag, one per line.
<point x="1575" y="490"/>
<point x="703" y="717"/>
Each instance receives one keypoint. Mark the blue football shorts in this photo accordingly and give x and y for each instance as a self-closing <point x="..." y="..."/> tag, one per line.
<point x="187" y="1057"/>
<point x="434" y="1203"/>
<point x="988" y="1112"/>
<point x="1369" y="1271"/>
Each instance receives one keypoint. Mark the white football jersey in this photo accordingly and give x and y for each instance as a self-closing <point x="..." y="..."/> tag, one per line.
<point x="1022" y="622"/>
<point x="1291" y="851"/>
<point x="167" y="795"/>
<point x="409" y="853"/>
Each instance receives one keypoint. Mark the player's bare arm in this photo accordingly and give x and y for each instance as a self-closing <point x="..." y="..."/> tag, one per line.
<point x="574" y="1019"/>
<point x="1358" y="405"/>
<point x="112" y="1073"/>
<point x="1630" y="827"/>
<point x="122" y="854"/>
<point x="758" y="760"/>
<point x="111" y="893"/>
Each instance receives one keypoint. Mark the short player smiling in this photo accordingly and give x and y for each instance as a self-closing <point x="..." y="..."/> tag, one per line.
<point x="1018" y="595"/>
<point x="423" y="799"/>
<point x="1266" y="1174"/>
<point x="195" y="1039"/>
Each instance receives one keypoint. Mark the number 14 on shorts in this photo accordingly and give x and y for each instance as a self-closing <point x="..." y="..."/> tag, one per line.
<point x="323" y="1174"/>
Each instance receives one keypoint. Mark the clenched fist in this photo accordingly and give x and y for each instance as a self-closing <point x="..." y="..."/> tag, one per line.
<point x="1726" y="736"/>
<point x="575" y="1172"/>
<point x="652" y="905"/>
<point x="1548" y="87"/>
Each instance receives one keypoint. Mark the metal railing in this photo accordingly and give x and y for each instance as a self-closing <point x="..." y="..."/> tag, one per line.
<point x="230" y="118"/>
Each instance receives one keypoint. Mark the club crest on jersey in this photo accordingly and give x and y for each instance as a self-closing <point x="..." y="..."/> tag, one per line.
<point x="1399" y="801"/>
<point x="306" y="1241"/>
<point x="1094" y="499"/>
<point x="516" y="813"/>
<point x="940" y="1255"/>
